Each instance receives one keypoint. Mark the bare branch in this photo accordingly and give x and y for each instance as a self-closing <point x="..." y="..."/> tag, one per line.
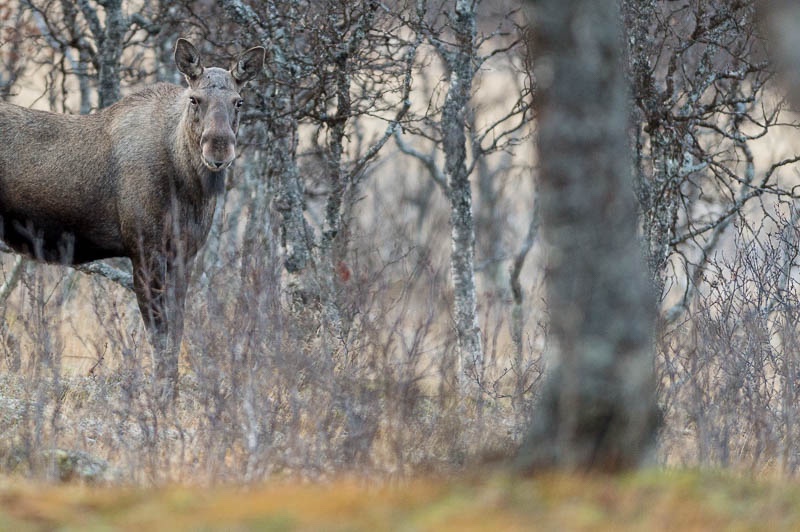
<point x="103" y="269"/>
<point x="12" y="278"/>
<point x="426" y="159"/>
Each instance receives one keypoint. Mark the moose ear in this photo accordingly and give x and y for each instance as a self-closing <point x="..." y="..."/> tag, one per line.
<point x="248" y="65"/>
<point x="187" y="59"/>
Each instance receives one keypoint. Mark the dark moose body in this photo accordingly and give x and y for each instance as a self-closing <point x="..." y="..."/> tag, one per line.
<point x="138" y="179"/>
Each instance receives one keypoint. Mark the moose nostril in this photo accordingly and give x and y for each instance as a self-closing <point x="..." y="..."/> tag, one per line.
<point x="215" y="164"/>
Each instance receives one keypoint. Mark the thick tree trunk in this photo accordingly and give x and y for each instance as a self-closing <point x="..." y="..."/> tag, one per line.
<point x="598" y="409"/>
<point x="779" y="19"/>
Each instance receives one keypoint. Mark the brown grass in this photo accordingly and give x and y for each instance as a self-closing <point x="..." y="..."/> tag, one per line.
<point x="649" y="500"/>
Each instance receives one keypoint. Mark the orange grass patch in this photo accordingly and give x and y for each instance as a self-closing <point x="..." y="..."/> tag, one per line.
<point x="643" y="501"/>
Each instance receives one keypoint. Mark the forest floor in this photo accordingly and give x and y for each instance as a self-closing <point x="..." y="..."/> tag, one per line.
<point x="649" y="500"/>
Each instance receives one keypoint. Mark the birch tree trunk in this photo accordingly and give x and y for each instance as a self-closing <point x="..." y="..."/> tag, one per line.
<point x="110" y="42"/>
<point x="282" y="138"/>
<point x="598" y="408"/>
<point x="462" y="258"/>
<point x="657" y="192"/>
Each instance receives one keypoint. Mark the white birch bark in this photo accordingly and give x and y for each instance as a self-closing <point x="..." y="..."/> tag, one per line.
<point x="462" y="257"/>
<point x="110" y="39"/>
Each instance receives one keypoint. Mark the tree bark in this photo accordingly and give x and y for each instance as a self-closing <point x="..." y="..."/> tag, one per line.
<point x="598" y="408"/>
<point x="462" y="257"/>
<point x="282" y="136"/>
<point x="110" y="42"/>
<point x="659" y="192"/>
<point x="779" y="20"/>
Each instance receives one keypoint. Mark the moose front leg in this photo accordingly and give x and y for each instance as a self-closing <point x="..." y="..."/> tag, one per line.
<point x="160" y="289"/>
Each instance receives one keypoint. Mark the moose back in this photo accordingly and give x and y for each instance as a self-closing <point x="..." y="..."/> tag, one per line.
<point x="138" y="179"/>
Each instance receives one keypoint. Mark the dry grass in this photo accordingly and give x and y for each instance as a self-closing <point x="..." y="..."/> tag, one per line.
<point x="645" y="501"/>
<point x="265" y="391"/>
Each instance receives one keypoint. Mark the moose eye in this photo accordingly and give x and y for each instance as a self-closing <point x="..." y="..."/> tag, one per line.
<point x="193" y="100"/>
<point x="239" y="103"/>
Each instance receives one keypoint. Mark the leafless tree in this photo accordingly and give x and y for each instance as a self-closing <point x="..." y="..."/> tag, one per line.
<point x="718" y="200"/>
<point x="12" y="42"/>
<point x="700" y="81"/>
<point x="91" y="38"/>
<point x="598" y="408"/>
<point x="464" y="148"/>
<point x="727" y="367"/>
<point x="333" y="66"/>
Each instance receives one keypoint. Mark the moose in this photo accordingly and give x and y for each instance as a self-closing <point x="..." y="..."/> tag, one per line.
<point x="138" y="179"/>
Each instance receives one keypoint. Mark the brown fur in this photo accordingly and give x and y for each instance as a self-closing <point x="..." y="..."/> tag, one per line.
<point x="138" y="179"/>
